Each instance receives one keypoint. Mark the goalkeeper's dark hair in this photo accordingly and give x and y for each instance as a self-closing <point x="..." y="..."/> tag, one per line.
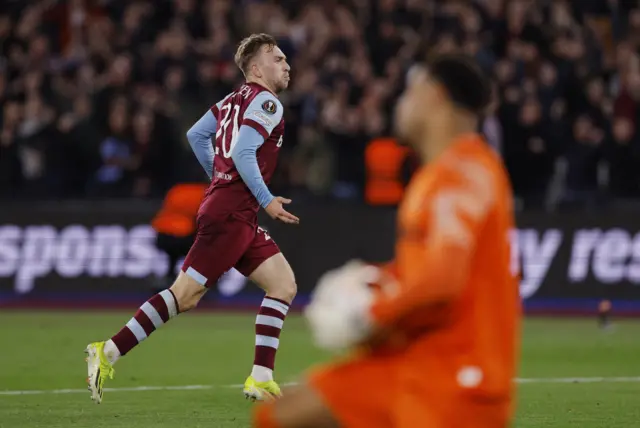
<point x="466" y="84"/>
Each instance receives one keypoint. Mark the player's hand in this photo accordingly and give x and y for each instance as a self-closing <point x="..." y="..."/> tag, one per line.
<point x="276" y="211"/>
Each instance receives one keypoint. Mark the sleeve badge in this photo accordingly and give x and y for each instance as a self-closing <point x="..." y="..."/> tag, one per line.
<point x="269" y="106"/>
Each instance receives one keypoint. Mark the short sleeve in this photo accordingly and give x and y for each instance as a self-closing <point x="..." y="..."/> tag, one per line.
<point x="263" y="114"/>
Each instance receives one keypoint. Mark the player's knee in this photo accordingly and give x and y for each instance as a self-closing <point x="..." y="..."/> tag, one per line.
<point x="285" y="290"/>
<point x="291" y="290"/>
<point x="276" y="278"/>
<point x="187" y="299"/>
<point x="187" y="302"/>
<point x="187" y="292"/>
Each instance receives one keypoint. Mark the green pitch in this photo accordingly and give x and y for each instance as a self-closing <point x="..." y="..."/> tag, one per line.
<point x="41" y="353"/>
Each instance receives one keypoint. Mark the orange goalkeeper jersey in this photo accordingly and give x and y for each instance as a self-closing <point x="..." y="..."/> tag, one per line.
<point x="453" y="295"/>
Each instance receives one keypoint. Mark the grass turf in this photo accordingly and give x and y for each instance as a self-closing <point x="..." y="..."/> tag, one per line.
<point x="42" y="351"/>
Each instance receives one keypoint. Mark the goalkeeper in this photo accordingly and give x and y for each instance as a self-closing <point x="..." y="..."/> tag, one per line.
<point x="435" y="332"/>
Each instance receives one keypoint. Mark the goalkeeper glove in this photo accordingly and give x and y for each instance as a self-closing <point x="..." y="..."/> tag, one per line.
<point x="339" y="310"/>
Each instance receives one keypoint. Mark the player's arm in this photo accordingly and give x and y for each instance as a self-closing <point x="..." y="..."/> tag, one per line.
<point x="429" y="271"/>
<point x="199" y="136"/>
<point x="244" y="156"/>
<point x="259" y="120"/>
<point x="434" y="270"/>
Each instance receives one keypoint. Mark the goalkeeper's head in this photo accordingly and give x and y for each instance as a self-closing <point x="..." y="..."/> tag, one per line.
<point x="444" y="96"/>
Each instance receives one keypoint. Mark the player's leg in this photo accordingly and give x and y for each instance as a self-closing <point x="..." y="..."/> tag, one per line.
<point x="276" y="278"/>
<point x="269" y="268"/>
<point x="265" y="265"/>
<point x="217" y="247"/>
<point x="355" y="394"/>
<point x="182" y="296"/>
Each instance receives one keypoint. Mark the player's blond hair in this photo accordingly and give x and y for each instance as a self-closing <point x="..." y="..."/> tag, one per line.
<point x="249" y="48"/>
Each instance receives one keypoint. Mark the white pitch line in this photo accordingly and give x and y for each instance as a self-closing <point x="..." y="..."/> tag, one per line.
<point x="628" y="379"/>
<point x="579" y="379"/>
<point x="129" y="389"/>
<point x="125" y="389"/>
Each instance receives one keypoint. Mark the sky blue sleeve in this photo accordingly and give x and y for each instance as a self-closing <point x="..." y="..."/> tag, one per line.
<point x="199" y="137"/>
<point x="246" y="162"/>
<point x="264" y="113"/>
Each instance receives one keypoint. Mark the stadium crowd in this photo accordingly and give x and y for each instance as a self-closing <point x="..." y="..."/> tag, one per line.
<point x="96" y="96"/>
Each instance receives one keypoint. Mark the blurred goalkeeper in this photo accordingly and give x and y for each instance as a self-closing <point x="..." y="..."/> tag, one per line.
<point x="434" y="335"/>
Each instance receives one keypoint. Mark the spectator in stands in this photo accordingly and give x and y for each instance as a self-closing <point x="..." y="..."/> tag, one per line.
<point x="11" y="175"/>
<point x="625" y="155"/>
<point x="567" y="88"/>
<point x="112" y="179"/>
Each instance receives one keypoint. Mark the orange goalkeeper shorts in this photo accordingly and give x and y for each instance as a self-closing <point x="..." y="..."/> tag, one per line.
<point x="374" y="392"/>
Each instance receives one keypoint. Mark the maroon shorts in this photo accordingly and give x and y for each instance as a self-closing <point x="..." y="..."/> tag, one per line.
<point x="224" y="243"/>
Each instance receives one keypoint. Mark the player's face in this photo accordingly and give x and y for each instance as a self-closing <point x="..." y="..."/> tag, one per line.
<point x="274" y="67"/>
<point x="413" y="105"/>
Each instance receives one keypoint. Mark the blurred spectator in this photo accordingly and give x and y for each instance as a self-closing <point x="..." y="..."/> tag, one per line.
<point x="112" y="178"/>
<point x="585" y="150"/>
<point x="625" y="155"/>
<point x="96" y="95"/>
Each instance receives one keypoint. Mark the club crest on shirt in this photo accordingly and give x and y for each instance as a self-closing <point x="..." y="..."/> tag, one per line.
<point x="269" y="106"/>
